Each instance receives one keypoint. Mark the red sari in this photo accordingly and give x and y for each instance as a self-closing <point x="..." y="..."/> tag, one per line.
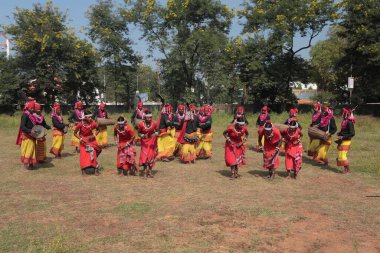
<point x="270" y="144"/>
<point x="148" y="144"/>
<point x="89" y="151"/>
<point x="126" y="155"/>
<point x="235" y="151"/>
<point x="293" y="150"/>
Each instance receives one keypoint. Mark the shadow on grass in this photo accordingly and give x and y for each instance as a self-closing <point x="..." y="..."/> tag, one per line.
<point x="310" y="161"/>
<point x="45" y="165"/>
<point x="225" y="173"/>
<point x="67" y="155"/>
<point x="264" y="173"/>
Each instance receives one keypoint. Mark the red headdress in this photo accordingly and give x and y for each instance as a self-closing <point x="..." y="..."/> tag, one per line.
<point x="78" y="104"/>
<point x="140" y="104"/>
<point x="102" y="106"/>
<point x="29" y="105"/>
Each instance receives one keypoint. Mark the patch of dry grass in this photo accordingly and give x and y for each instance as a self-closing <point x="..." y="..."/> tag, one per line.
<point x="193" y="208"/>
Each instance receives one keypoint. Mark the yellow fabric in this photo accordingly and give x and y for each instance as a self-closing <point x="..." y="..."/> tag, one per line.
<point x="262" y="141"/>
<point x="313" y="145"/>
<point x="204" y="148"/>
<point x="28" y="151"/>
<point x="102" y="137"/>
<point x="188" y="152"/>
<point x="57" y="146"/>
<point x="166" y="144"/>
<point x="342" y="154"/>
<point x="322" y="150"/>
<point x="74" y="140"/>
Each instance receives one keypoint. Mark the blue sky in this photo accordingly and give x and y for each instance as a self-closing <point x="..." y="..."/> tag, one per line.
<point x="76" y="10"/>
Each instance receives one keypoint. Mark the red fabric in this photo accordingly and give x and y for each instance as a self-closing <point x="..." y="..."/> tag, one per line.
<point x="126" y="157"/>
<point x="235" y="154"/>
<point x="270" y="144"/>
<point x="85" y="132"/>
<point x="18" y="139"/>
<point x="293" y="150"/>
<point x="78" y="104"/>
<point x="148" y="145"/>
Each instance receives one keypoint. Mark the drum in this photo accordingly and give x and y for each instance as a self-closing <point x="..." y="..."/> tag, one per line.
<point x="105" y="122"/>
<point x="316" y="133"/>
<point x="191" y="138"/>
<point x="280" y="127"/>
<point x="39" y="131"/>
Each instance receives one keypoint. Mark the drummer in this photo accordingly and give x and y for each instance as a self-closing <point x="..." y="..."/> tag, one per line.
<point x="76" y="117"/>
<point x="40" y="142"/>
<point x="315" y="119"/>
<point x="189" y="137"/>
<point x="178" y="122"/>
<point x="86" y="132"/>
<point x="28" y="142"/>
<point x="102" y="137"/>
<point x="137" y="116"/>
<point x="58" y="131"/>
<point x="327" y="125"/>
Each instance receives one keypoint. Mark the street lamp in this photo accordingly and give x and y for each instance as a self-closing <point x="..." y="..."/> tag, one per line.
<point x="350" y="86"/>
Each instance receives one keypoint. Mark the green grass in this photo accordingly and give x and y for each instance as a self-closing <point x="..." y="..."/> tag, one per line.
<point x="193" y="208"/>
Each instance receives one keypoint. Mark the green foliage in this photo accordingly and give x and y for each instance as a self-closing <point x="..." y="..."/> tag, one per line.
<point x="46" y="48"/>
<point x="109" y="29"/>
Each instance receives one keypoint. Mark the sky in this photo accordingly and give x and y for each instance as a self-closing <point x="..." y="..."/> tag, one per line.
<point x="76" y="10"/>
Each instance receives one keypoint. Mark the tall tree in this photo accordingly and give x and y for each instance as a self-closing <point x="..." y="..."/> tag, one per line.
<point x="109" y="29"/>
<point x="190" y="35"/>
<point x="282" y="21"/>
<point x="46" y="49"/>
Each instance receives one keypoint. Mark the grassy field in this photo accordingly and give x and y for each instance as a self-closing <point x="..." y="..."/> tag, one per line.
<point x="191" y="208"/>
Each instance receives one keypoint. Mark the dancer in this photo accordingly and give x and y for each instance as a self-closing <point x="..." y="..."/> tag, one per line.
<point x="58" y="131"/>
<point x="102" y="137"/>
<point x="345" y="135"/>
<point x="166" y="138"/>
<point x="75" y="117"/>
<point x="189" y="137"/>
<point x="178" y="123"/>
<point x="292" y="137"/>
<point x="240" y="113"/>
<point x="28" y="142"/>
<point x="236" y="136"/>
<point x="315" y="119"/>
<point x="292" y="113"/>
<point x="148" y="135"/>
<point x="204" y="122"/>
<point x="40" y="142"/>
<point x="126" y="152"/>
<point x="327" y="124"/>
<point x="86" y="132"/>
<point x="272" y="144"/>
<point x="261" y="119"/>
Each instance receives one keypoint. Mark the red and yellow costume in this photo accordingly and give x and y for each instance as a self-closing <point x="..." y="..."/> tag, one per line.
<point x="178" y="123"/>
<point x="76" y="116"/>
<point x="126" y="152"/>
<point x="189" y="137"/>
<point x="346" y="133"/>
<point x="148" y="144"/>
<point x="166" y="140"/>
<point x="28" y="143"/>
<point x="235" y="146"/>
<point x="89" y="149"/>
<point x="102" y="137"/>
<point x="315" y="120"/>
<point x="271" y="142"/>
<point x="293" y="149"/>
<point x="204" y="122"/>
<point x="40" y="142"/>
<point x="58" y="132"/>
<point x="260" y="122"/>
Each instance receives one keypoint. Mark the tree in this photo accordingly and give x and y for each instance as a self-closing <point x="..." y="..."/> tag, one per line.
<point x="282" y="21"/>
<point x="46" y="49"/>
<point x="109" y="29"/>
<point x="325" y="58"/>
<point x="191" y="35"/>
<point x="361" y="30"/>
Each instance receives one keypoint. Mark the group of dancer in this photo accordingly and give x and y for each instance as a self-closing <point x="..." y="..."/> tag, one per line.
<point x="185" y="133"/>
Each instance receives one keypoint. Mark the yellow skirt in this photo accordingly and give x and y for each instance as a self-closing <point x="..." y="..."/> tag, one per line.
<point x="166" y="144"/>
<point x="313" y="146"/>
<point x="74" y="140"/>
<point x="102" y="137"/>
<point x="188" y="153"/>
<point x="204" y="148"/>
<point x="57" y="145"/>
<point x="321" y="152"/>
<point x="343" y="149"/>
<point x="41" y="150"/>
<point x="28" y="151"/>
